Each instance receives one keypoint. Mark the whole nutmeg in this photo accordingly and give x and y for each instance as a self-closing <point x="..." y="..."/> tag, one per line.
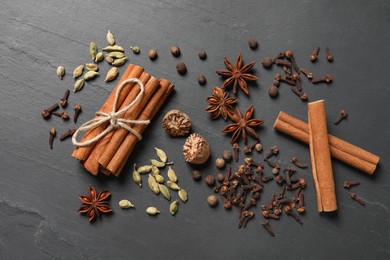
<point x="212" y="200"/>
<point x="176" y="123"/>
<point x="227" y="156"/>
<point x="210" y="180"/>
<point x="253" y="44"/>
<point x="220" y="177"/>
<point x="196" y="175"/>
<point x="273" y="91"/>
<point x="152" y="53"/>
<point x="181" y="68"/>
<point x="175" y="51"/>
<point x="202" y="80"/>
<point x="202" y="55"/>
<point x="220" y="163"/>
<point x="196" y="149"/>
<point x="267" y="62"/>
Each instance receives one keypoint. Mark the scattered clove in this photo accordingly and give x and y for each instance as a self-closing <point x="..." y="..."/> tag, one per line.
<point x="274" y="150"/>
<point x="47" y="112"/>
<point x="314" y="55"/>
<point x="357" y="198"/>
<point x="348" y="184"/>
<point x="295" y="161"/>
<point x="70" y="133"/>
<point x="64" y="100"/>
<point x="52" y="135"/>
<point x="343" y="115"/>
<point x="329" y="55"/>
<point x="77" y="111"/>
<point x="327" y="79"/>
<point x="62" y="115"/>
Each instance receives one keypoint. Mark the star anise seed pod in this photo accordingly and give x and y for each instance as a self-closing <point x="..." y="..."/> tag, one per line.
<point x="94" y="204"/>
<point x="220" y="103"/>
<point x="237" y="75"/>
<point x="243" y="125"/>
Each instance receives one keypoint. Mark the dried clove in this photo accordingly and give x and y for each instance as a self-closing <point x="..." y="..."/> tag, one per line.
<point x="70" y="132"/>
<point x="62" y="115"/>
<point x="305" y="72"/>
<point x="327" y="79"/>
<point x="357" y="198"/>
<point x="53" y="133"/>
<point x="288" y="210"/>
<point x="47" y="112"/>
<point x="77" y="111"/>
<point x="301" y="204"/>
<point x="329" y="55"/>
<point x="64" y="100"/>
<point x="267" y="227"/>
<point x="348" y="184"/>
<point x="295" y="161"/>
<point x="314" y="55"/>
<point x="343" y="115"/>
<point x="274" y="150"/>
<point x="235" y="149"/>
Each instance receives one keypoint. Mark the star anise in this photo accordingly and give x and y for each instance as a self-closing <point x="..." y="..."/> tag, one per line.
<point x="94" y="204"/>
<point x="243" y="125"/>
<point x="220" y="103"/>
<point x="237" y="75"/>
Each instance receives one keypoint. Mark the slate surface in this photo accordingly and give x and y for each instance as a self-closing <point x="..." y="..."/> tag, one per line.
<point x="39" y="186"/>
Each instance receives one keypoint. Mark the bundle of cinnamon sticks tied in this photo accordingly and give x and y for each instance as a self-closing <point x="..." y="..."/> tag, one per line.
<point x="110" y="153"/>
<point x="322" y="147"/>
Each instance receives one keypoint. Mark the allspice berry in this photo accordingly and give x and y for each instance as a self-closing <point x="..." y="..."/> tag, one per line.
<point x="273" y="91"/>
<point x="202" y="55"/>
<point x="175" y="51"/>
<point x="227" y="156"/>
<point x="253" y="44"/>
<point x="210" y="180"/>
<point x="202" y="80"/>
<point x="220" y="163"/>
<point x="196" y="175"/>
<point x="152" y="53"/>
<point x="212" y="200"/>
<point x="267" y="62"/>
<point x="220" y="177"/>
<point x="288" y="54"/>
<point x="181" y="68"/>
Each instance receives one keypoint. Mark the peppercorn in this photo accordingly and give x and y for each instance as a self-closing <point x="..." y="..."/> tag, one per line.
<point x="202" y="80"/>
<point x="212" y="200"/>
<point x="175" y="51"/>
<point x="253" y="44"/>
<point x="181" y="68"/>
<point x="220" y="163"/>
<point x="202" y="55"/>
<point x="152" y="53"/>
<point x="220" y="177"/>
<point x="273" y="91"/>
<point x="227" y="156"/>
<point x="267" y="62"/>
<point x="210" y="180"/>
<point x="196" y="175"/>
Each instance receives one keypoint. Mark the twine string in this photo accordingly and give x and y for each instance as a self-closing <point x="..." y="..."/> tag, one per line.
<point x="113" y="117"/>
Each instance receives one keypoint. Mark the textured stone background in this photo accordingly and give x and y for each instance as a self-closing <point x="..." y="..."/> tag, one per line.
<point x="39" y="187"/>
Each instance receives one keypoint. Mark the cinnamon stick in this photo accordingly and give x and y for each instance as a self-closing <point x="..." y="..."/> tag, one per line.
<point x="339" y="149"/>
<point x="320" y="157"/>
<point x="132" y="71"/>
<point x="92" y="164"/>
<point x="118" y="161"/>
<point x="120" y="133"/>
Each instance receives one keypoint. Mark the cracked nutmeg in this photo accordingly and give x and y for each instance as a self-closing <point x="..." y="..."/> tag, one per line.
<point x="196" y="149"/>
<point x="176" y="123"/>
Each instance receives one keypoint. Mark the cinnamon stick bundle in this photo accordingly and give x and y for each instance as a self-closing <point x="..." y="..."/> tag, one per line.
<point x="155" y="93"/>
<point x="339" y="149"/>
<point x="320" y="157"/>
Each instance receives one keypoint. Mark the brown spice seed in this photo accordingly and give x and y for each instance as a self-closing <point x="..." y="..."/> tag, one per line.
<point x="152" y="53"/>
<point x="253" y="44"/>
<point x="202" y="55"/>
<point x="175" y="51"/>
<point x="196" y="175"/>
<point x="181" y="68"/>
<point x="202" y="80"/>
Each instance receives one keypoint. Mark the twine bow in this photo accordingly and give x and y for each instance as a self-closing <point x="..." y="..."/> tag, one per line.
<point x="112" y="117"/>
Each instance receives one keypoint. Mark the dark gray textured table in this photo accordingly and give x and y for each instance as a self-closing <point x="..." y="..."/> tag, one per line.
<point x="39" y="186"/>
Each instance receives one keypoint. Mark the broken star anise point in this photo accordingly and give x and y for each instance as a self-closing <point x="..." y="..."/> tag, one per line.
<point x="94" y="204"/>
<point x="243" y="125"/>
<point x="220" y="104"/>
<point x="237" y="75"/>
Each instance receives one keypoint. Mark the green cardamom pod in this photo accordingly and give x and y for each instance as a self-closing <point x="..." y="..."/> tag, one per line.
<point x="155" y="171"/>
<point x="116" y="54"/>
<point x="61" y="72"/>
<point x="161" y="154"/>
<point x="135" y="49"/>
<point x="119" y="62"/>
<point x="99" y="57"/>
<point x="137" y="177"/>
<point x="93" y="50"/>
<point x="157" y="163"/>
<point x="92" y="66"/>
<point x="164" y="191"/>
<point x="78" y="85"/>
<point x="159" y="178"/>
<point x="109" y="59"/>
<point x="78" y="71"/>
<point x="173" y="207"/>
<point x="172" y="175"/>
<point x="172" y="185"/>
<point x="112" y="74"/>
<point x="110" y="38"/>
<point x="125" y="204"/>
<point x="152" y="211"/>
<point x="144" y="169"/>
<point x="183" y="195"/>
<point x="90" y="75"/>
<point x="113" y="48"/>
<point x="153" y="185"/>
